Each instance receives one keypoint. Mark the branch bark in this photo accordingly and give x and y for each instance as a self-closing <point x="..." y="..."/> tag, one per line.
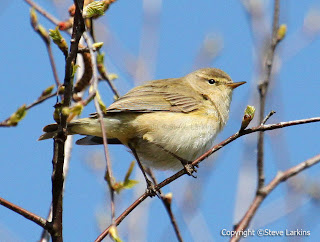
<point x="28" y="215"/>
<point x="59" y="141"/>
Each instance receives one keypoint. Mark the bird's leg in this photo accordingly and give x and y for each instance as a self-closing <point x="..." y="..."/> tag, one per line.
<point x="150" y="186"/>
<point x="154" y="180"/>
<point x="189" y="168"/>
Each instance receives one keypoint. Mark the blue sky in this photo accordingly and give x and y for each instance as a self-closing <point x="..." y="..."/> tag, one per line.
<point x="226" y="182"/>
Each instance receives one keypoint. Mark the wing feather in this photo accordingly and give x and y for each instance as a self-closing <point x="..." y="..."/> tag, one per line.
<point x="156" y="96"/>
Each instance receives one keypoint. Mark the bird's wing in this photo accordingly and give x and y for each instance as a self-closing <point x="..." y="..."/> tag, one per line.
<point x="153" y="97"/>
<point x="94" y="140"/>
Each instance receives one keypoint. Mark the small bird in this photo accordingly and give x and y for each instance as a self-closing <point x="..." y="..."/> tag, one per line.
<point x="166" y="123"/>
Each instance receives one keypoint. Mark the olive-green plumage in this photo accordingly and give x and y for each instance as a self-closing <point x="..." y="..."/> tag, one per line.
<point x="179" y="115"/>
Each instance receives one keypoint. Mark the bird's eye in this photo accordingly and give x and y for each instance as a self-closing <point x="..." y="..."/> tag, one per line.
<point x="212" y="81"/>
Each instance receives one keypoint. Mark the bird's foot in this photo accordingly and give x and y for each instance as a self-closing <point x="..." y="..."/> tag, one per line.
<point x="190" y="169"/>
<point x="151" y="191"/>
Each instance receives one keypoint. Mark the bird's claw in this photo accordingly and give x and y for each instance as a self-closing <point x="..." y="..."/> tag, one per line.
<point x="151" y="191"/>
<point x="190" y="169"/>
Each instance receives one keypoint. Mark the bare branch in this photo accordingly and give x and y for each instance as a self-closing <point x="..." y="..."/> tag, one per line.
<point x="267" y="117"/>
<point x="43" y="12"/>
<point x="265" y="191"/>
<point x="53" y="65"/>
<point x="123" y="215"/>
<point x="59" y="140"/>
<point x="45" y="237"/>
<point x="166" y="200"/>
<point x="263" y="89"/>
<point x="108" y="174"/>
<point x="28" y="215"/>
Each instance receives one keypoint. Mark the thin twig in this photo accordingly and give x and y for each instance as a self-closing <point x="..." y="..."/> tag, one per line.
<point x="38" y="101"/>
<point x="110" y="83"/>
<point x="108" y="174"/>
<point x="204" y="156"/>
<point x="267" y="117"/>
<point x="263" y="89"/>
<point x="167" y="204"/>
<point x="265" y="191"/>
<point x="28" y="215"/>
<point x="53" y="66"/>
<point x="102" y="71"/>
<point x="46" y="39"/>
<point x="43" y="12"/>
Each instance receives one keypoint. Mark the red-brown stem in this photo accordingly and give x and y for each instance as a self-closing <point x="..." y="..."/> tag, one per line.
<point x="28" y="215"/>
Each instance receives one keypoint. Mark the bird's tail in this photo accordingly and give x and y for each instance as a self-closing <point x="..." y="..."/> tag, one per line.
<point x="50" y="131"/>
<point x="84" y="126"/>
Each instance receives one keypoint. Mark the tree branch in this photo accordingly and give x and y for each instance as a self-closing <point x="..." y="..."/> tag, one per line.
<point x="265" y="191"/>
<point x="59" y="140"/>
<point x="202" y="157"/>
<point x="43" y="12"/>
<point x="28" y="215"/>
<point x="53" y="65"/>
<point x="263" y="89"/>
<point x="167" y="200"/>
<point x="108" y="174"/>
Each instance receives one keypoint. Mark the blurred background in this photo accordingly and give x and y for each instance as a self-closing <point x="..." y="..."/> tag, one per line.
<point x="157" y="39"/>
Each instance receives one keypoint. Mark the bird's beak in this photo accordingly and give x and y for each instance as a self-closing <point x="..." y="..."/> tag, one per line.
<point x="235" y="84"/>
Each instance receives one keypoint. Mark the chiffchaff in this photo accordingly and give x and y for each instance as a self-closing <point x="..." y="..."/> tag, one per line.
<point x="164" y="121"/>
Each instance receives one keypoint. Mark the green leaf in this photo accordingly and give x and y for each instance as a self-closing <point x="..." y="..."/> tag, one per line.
<point x="100" y="58"/>
<point x="97" y="45"/>
<point x="130" y="169"/>
<point x="94" y="9"/>
<point x="112" y="76"/>
<point x="101" y="103"/>
<point x="47" y="91"/>
<point x="77" y="109"/>
<point x="74" y="70"/>
<point x="128" y="184"/>
<point x="33" y="18"/>
<point x="58" y="39"/>
<point x="16" y="117"/>
<point x="55" y="35"/>
<point x="114" y="234"/>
